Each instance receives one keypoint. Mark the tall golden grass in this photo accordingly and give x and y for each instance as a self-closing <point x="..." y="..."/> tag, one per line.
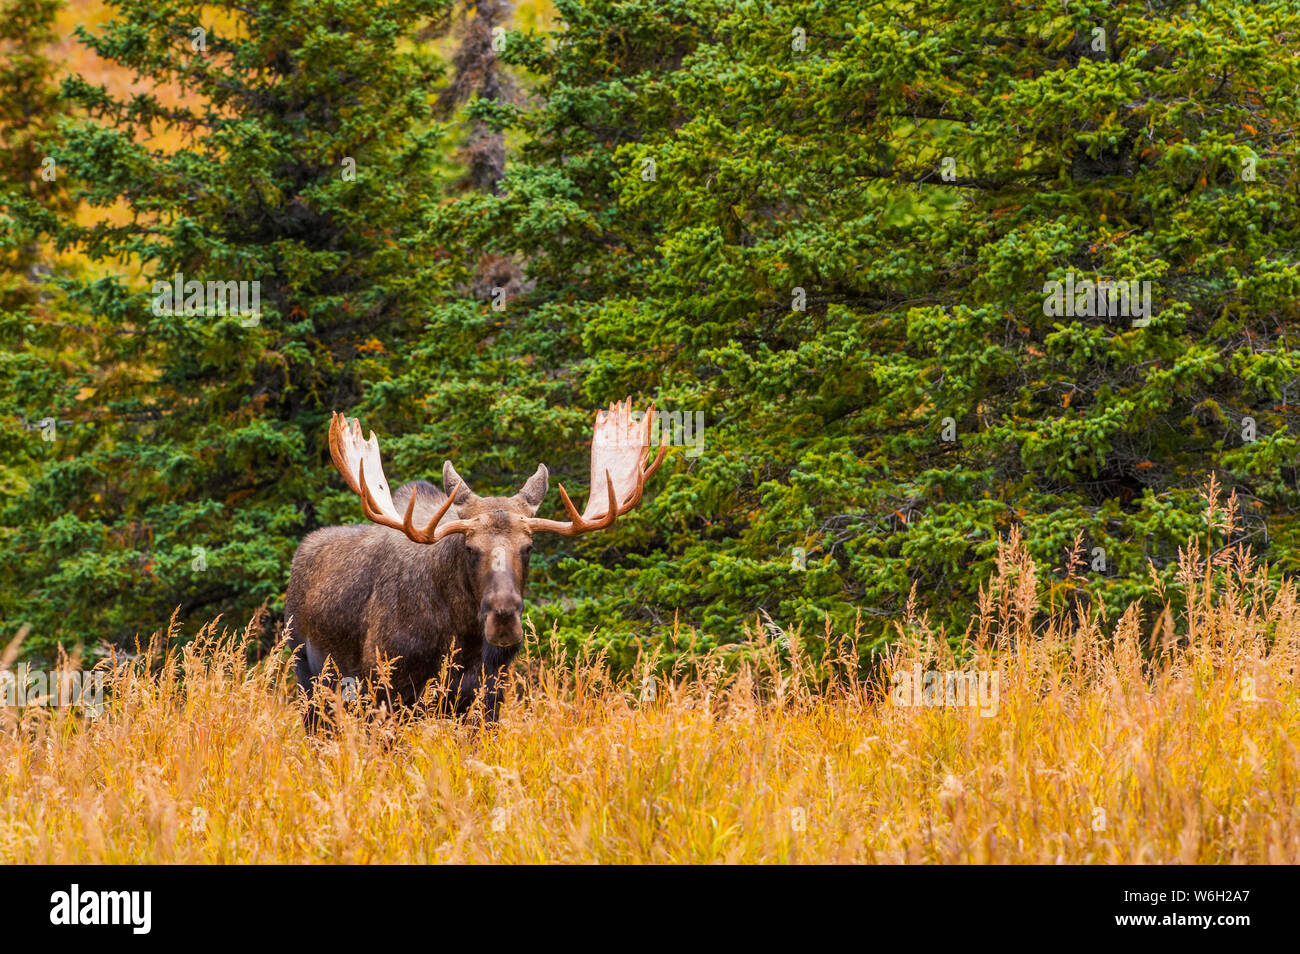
<point x="1111" y="743"/>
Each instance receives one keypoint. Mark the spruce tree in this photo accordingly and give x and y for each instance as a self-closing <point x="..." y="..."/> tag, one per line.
<point x="835" y="229"/>
<point x="40" y="355"/>
<point x="278" y="143"/>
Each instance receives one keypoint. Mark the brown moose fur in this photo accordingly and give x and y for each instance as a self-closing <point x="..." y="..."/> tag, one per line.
<point x="362" y="594"/>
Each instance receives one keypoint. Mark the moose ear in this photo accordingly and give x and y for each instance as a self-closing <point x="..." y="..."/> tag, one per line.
<point x="533" y="491"/>
<point x="450" y="479"/>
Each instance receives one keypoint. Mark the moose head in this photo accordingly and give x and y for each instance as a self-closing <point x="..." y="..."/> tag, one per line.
<point x="497" y="532"/>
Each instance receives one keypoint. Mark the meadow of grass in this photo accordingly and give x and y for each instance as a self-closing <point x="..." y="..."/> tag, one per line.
<point x="1112" y="742"/>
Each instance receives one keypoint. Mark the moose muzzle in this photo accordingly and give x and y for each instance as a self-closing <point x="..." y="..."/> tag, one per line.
<point x="501" y="620"/>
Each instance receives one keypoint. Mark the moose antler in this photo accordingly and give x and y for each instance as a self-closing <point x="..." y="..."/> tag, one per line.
<point x="619" y="448"/>
<point x="358" y="461"/>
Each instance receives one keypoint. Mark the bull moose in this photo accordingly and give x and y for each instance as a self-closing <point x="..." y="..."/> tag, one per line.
<point x="440" y="587"/>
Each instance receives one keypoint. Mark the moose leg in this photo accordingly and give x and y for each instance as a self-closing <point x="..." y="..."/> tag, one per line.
<point x="495" y="661"/>
<point x="313" y="677"/>
<point x="302" y="670"/>
<point x="392" y="699"/>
